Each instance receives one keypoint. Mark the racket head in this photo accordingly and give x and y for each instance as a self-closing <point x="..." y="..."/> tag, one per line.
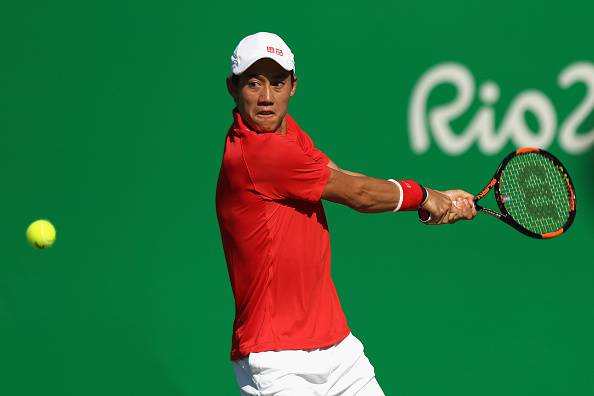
<point x="534" y="193"/>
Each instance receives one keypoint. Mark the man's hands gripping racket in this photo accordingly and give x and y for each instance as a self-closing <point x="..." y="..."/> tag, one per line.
<point x="447" y="207"/>
<point x="532" y="189"/>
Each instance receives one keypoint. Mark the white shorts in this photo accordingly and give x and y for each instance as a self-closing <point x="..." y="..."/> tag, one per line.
<point x="342" y="369"/>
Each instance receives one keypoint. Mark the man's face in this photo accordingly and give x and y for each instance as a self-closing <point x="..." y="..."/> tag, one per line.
<point x="262" y="95"/>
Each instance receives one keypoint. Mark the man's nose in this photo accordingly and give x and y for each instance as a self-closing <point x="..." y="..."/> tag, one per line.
<point x="266" y="95"/>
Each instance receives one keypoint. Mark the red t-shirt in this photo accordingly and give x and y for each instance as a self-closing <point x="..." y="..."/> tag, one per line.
<point x="276" y="241"/>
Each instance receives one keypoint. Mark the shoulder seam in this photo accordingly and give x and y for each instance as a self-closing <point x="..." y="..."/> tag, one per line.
<point x="290" y="139"/>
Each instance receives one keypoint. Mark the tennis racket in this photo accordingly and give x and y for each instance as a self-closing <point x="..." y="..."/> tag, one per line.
<point x="534" y="193"/>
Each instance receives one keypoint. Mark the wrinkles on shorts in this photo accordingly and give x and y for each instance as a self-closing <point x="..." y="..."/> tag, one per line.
<point x="342" y="369"/>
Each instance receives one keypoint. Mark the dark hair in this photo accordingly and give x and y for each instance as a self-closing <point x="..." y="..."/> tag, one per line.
<point x="235" y="79"/>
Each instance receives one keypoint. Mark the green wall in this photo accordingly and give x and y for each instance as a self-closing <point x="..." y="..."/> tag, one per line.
<point x="112" y="122"/>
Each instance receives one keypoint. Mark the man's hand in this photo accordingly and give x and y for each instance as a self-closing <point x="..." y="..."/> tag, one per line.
<point x="447" y="207"/>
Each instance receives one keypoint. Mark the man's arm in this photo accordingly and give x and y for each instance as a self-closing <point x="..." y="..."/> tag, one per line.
<point x="332" y="165"/>
<point x="370" y="195"/>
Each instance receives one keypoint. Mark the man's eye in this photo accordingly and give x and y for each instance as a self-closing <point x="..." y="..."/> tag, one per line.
<point x="278" y="83"/>
<point x="252" y="84"/>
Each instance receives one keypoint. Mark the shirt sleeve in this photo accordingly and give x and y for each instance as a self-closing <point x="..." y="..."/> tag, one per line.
<point x="308" y="144"/>
<point x="282" y="168"/>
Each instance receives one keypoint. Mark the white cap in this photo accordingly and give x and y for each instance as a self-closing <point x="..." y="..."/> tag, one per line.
<point x="261" y="45"/>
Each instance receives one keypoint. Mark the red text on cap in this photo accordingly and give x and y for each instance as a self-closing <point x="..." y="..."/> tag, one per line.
<point x="273" y="50"/>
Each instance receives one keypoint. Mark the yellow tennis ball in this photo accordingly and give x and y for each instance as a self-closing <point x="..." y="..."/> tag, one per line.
<point x="41" y="234"/>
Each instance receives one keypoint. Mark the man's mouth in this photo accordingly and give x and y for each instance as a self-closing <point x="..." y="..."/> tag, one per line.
<point x="265" y="113"/>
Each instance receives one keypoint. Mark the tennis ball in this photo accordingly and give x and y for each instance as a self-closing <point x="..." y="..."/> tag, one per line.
<point x="41" y="234"/>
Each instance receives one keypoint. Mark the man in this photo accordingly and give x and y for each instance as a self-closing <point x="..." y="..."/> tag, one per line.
<point x="290" y="336"/>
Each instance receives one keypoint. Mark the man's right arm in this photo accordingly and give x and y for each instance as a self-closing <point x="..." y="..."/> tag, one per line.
<point x="332" y="165"/>
<point x="370" y="195"/>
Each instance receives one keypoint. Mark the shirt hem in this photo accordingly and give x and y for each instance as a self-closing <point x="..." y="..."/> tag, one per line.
<point x="243" y="351"/>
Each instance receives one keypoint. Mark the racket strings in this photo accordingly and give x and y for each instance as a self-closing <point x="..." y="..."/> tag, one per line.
<point x="535" y="193"/>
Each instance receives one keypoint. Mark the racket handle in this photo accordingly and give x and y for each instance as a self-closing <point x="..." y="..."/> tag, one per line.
<point x="424" y="216"/>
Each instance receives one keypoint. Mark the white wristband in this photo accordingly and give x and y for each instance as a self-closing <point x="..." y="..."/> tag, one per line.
<point x="401" y="198"/>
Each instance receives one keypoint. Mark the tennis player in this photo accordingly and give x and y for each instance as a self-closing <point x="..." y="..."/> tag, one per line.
<point x="290" y="335"/>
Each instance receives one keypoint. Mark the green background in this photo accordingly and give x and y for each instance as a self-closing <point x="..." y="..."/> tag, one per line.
<point x="112" y="122"/>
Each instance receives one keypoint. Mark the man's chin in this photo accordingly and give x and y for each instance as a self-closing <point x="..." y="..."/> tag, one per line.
<point x="266" y="124"/>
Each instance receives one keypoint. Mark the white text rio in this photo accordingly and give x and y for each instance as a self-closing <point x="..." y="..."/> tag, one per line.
<point x="436" y="121"/>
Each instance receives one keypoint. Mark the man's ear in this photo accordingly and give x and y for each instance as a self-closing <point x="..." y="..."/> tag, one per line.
<point x="232" y="89"/>
<point x="294" y="86"/>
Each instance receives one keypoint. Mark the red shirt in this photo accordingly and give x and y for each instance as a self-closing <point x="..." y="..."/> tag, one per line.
<point x="276" y="241"/>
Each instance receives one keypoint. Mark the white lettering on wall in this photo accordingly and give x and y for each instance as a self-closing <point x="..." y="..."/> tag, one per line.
<point x="568" y="137"/>
<point x="481" y="128"/>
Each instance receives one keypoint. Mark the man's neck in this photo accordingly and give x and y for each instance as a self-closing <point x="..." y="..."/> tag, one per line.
<point x="282" y="129"/>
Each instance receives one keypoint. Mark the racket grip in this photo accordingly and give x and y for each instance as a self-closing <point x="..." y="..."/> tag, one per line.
<point x="424" y="216"/>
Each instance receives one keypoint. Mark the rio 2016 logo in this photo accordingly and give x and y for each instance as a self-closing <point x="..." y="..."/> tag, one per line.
<point x="481" y="128"/>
